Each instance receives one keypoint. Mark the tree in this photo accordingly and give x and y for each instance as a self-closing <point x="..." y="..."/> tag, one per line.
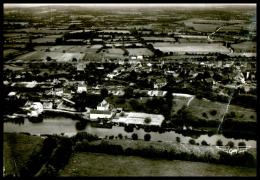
<point x="213" y="112"/>
<point x="147" y="137"/>
<point x="128" y="92"/>
<point x="219" y="143"/>
<point x="120" y="136"/>
<point x="134" y="136"/>
<point x="147" y="120"/>
<point x="104" y="92"/>
<point x="241" y="143"/>
<point x="48" y="58"/>
<point x="204" y="143"/>
<point x="178" y="139"/>
<point x="230" y="144"/>
<point x="192" y="141"/>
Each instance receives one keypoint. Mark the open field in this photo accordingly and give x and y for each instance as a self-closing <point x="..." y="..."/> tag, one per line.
<point x="70" y="48"/>
<point x="243" y="114"/>
<point x="18" y="149"/>
<point x="47" y="39"/>
<point x="40" y="56"/>
<point x="99" y="164"/>
<point x="244" y="47"/>
<point x="38" y="30"/>
<point x="158" y="39"/>
<point x="193" y="48"/>
<point x="199" y="106"/>
<point x="139" y="52"/>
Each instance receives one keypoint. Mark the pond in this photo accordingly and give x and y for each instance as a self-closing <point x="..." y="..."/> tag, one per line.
<point x="66" y="125"/>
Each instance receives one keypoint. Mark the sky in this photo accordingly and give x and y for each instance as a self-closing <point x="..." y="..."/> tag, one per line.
<point x="125" y="5"/>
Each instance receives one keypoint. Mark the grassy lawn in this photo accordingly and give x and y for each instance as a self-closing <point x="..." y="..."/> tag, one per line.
<point x="200" y="106"/>
<point x="18" y="148"/>
<point x="242" y="114"/>
<point x="97" y="164"/>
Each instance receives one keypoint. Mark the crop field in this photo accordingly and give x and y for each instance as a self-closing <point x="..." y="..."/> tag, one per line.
<point x="139" y="52"/>
<point x="158" y="39"/>
<point x="244" y="47"/>
<point x="199" y="106"/>
<point x="112" y="53"/>
<point x="46" y="39"/>
<point x="200" y="48"/>
<point x="40" y="56"/>
<point x="242" y="114"/>
<point x="39" y="30"/>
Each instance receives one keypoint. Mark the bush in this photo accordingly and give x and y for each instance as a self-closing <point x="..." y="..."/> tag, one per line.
<point x="178" y="139"/>
<point x="120" y="136"/>
<point x="219" y="143"/>
<point x="111" y="137"/>
<point x="241" y="144"/>
<point x="192" y="141"/>
<point x="134" y="136"/>
<point x="147" y="137"/>
<point x="213" y="112"/>
<point x="147" y="120"/>
<point x="205" y="115"/>
<point x="204" y="143"/>
<point x="230" y="144"/>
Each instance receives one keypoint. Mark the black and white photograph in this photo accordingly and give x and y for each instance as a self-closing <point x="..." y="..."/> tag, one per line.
<point x="129" y="89"/>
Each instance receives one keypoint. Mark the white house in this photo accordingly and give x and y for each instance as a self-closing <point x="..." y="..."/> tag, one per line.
<point x="103" y="106"/>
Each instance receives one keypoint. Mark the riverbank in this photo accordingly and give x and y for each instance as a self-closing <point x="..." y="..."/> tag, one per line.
<point x="53" y="153"/>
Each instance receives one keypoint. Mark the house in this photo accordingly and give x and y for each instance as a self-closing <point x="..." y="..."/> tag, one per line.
<point x="82" y="88"/>
<point x="103" y="106"/>
<point x="160" y="83"/>
<point x="47" y="105"/>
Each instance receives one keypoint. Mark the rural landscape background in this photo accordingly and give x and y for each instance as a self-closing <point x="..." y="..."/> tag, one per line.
<point x="129" y="90"/>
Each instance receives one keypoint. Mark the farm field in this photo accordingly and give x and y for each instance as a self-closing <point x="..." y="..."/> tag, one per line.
<point x="244" y="47"/>
<point x="193" y="48"/>
<point x="41" y="56"/>
<point x="139" y="52"/>
<point x="112" y="53"/>
<point x="47" y="39"/>
<point x="70" y="48"/>
<point x="99" y="164"/>
<point x="199" y="106"/>
<point x="242" y="114"/>
<point x="158" y="39"/>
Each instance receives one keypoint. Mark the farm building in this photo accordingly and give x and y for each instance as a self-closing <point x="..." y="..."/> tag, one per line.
<point x="103" y="106"/>
<point x="137" y="118"/>
<point x="99" y="114"/>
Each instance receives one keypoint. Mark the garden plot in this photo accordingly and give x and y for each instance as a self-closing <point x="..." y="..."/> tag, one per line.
<point x="197" y="48"/>
<point x="139" y="52"/>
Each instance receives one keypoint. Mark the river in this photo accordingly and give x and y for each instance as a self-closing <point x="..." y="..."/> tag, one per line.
<point x="66" y="125"/>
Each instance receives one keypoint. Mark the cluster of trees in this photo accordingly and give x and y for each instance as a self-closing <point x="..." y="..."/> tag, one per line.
<point x="86" y="100"/>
